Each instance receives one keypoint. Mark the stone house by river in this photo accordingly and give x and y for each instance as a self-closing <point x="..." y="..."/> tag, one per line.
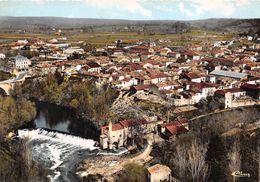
<point x="119" y="134"/>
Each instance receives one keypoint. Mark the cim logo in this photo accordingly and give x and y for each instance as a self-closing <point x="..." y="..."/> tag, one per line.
<point x="240" y="174"/>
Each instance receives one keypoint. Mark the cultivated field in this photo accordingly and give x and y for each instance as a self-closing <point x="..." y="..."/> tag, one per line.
<point x="106" y="38"/>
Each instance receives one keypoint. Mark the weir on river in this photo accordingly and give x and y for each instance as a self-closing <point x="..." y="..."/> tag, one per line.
<point x="55" y="147"/>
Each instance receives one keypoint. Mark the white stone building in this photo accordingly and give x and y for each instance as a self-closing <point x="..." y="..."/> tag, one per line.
<point x="21" y="63"/>
<point x="228" y="95"/>
<point x="158" y="173"/>
<point x="2" y="56"/>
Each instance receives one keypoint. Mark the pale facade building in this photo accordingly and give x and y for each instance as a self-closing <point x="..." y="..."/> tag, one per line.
<point x="158" y="173"/>
<point x="117" y="135"/>
<point x="21" y="63"/>
<point x="2" y="56"/>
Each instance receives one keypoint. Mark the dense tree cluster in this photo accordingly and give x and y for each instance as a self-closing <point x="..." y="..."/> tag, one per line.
<point x="216" y="146"/>
<point x="133" y="173"/>
<point x="15" y="164"/>
<point x="5" y="75"/>
<point x="83" y="96"/>
<point x="209" y="104"/>
<point x="14" y="113"/>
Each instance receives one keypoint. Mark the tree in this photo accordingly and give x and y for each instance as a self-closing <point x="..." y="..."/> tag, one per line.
<point x="190" y="162"/>
<point x="83" y="96"/>
<point x="17" y="91"/>
<point x="5" y="75"/>
<point x="59" y="78"/>
<point x="133" y="173"/>
<point x="16" y="163"/>
<point x="197" y="163"/>
<point x="257" y="159"/>
<point x="14" y="113"/>
<point x="234" y="157"/>
<point x="26" y="110"/>
<point x="217" y="160"/>
<point x="249" y="155"/>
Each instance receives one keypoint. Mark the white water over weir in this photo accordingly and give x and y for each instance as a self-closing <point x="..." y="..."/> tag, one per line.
<point x="54" y="148"/>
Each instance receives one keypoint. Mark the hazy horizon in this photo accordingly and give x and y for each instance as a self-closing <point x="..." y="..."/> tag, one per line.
<point x="125" y="19"/>
<point x="133" y="9"/>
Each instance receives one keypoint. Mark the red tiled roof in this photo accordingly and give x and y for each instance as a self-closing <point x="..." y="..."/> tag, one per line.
<point x="195" y="46"/>
<point x="183" y="121"/>
<point x="126" y="79"/>
<point x="117" y="126"/>
<point x="172" y="129"/>
<point x="140" y="47"/>
<point x="165" y="91"/>
<point x="192" y="75"/>
<point x="250" y="52"/>
<point x="180" y="122"/>
<point x="125" y="124"/>
<point x="190" y="53"/>
<point x="141" y="87"/>
<point x="92" y="64"/>
<point x="150" y="61"/>
<point x="131" y="122"/>
<point x="218" y="59"/>
<point x="158" y="75"/>
<point x="158" y="168"/>
<point x="118" y="50"/>
<point x="202" y="85"/>
<point x="134" y="66"/>
<point x="250" y="87"/>
<point x="231" y="90"/>
<point x="253" y="78"/>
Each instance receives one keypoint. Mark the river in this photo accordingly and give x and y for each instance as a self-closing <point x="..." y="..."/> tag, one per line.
<point x="59" y="140"/>
<point x="62" y="119"/>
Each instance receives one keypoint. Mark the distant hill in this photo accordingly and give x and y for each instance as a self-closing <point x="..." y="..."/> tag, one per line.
<point x="228" y="24"/>
<point x="165" y="26"/>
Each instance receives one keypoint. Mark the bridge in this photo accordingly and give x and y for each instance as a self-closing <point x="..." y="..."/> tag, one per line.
<point x="7" y="85"/>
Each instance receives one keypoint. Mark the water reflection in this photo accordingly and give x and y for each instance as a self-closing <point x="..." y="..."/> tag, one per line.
<point x="58" y="118"/>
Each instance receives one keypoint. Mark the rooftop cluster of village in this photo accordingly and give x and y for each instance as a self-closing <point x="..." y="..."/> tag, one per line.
<point x="184" y="75"/>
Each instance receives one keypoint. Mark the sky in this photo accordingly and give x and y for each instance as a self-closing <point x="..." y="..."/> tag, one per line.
<point x="133" y="9"/>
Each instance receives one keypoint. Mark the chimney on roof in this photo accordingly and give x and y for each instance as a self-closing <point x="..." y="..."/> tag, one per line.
<point x="187" y="87"/>
<point x="110" y="125"/>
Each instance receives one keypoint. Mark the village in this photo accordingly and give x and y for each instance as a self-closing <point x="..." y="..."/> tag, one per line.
<point x="178" y="77"/>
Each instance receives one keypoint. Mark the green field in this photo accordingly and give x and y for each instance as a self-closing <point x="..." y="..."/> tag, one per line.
<point x="107" y="38"/>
